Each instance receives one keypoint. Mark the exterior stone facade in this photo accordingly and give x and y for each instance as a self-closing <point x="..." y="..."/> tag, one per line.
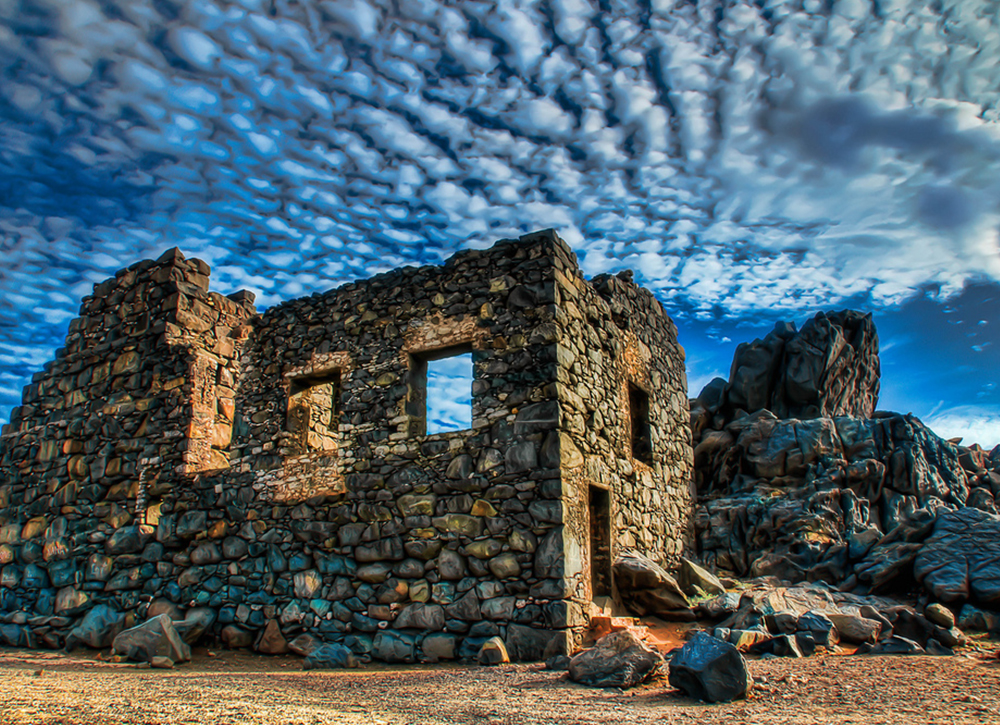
<point x="270" y="475"/>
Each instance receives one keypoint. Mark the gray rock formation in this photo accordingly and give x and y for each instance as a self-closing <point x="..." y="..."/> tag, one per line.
<point x="961" y="559"/>
<point x="646" y="588"/>
<point x="799" y="478"/>
<point x="824" y="499"/>
<point x="153" y="638"/>
<point x="619" y="659"/>
<point x="329" y="657"/>
<point x="828" y="368"/>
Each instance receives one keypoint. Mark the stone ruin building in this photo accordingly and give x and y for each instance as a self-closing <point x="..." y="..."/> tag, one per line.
<point x="263" y="476"/>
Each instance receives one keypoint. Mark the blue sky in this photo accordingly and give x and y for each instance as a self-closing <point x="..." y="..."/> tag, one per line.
<point x="752" y="161"/>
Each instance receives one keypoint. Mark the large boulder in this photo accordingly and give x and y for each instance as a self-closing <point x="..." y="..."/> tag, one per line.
<point x="195" y="623"/>
<point x="709" y="669"/>
<point x="329" y="657"/>
<point x="154" y="637"/>
<point x="961" y="559"/>
<point x="619" y="659"/>
<point x="647" y="588"/>
<point x="97" y="629"/>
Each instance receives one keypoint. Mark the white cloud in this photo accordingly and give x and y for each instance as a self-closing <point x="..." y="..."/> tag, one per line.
<point x="971" y="423"/>
<point x="754" y="159"/>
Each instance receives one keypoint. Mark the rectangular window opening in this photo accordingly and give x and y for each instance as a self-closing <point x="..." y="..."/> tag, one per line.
<point x="600" y="542"/>
<point x="440" y="399"/>
<point x="638" y="403"/>
<point x="314" y="412"/>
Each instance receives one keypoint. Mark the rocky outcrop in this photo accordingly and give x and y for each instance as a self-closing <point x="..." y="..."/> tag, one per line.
<point x="798" y="477"/>
<point x="961" y="559"/>
<point x="824" y="499"/>
<point x="828" y="368"/>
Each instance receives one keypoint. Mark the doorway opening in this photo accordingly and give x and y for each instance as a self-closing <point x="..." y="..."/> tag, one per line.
<point x="600" y="542"/>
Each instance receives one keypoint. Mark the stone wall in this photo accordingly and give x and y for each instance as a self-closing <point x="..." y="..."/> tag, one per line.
<point x="616" y="344"/>
<point x="276" y="476"/>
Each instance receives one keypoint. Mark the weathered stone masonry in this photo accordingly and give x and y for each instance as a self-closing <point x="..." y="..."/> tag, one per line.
<point x="183" y="454"/>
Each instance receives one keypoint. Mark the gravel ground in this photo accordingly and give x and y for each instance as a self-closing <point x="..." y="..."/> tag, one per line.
<point x="45" y="687"/>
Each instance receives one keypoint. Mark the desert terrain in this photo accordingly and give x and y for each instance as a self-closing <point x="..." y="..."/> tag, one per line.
<point x="230" y="687"/>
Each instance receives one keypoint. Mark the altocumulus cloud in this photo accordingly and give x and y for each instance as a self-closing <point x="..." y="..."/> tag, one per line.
<point x="747" y="155"/>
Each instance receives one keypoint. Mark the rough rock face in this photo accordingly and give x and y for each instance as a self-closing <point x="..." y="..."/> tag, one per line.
<point x="961" y="559"/>
<point x="711" y="670"/>
<point x="618" y="660"/>
<point x="791" y="486"/>
<point x="828" y="368"/>
<point x="818" y="499"/>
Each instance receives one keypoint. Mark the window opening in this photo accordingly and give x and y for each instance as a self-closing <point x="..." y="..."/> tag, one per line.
<point x="600" y="542"/>
<point x="314" y="412"/>
<point x="441" y="391"/>
<point x="638" y="403"/>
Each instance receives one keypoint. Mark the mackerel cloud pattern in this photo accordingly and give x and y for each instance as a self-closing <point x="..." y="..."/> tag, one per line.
<point x="744" y="154"/>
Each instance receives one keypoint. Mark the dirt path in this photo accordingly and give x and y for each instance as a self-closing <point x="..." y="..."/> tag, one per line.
<point x="38" y="687"/>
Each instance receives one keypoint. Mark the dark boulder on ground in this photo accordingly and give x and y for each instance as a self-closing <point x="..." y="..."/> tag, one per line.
<point x="894" y="645"/>
<point x="329" y="657"/>
<point x="619" y="659"/>
<point x="961" y="559"/>
<point x="97" y="629"/>
<point x="154" y="637"/>
<point x="711" y="670"/>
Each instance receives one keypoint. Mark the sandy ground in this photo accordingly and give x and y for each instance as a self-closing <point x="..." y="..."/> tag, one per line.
<point x="48" y="687"/>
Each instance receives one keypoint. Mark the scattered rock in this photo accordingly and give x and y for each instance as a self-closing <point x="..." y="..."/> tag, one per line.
<point x="973" y="619"/>
<point x="330" y="657"/>
<point x="894" y="645"/>
<point x="196" y="622"/>
<point x="710" y="670"/>
<point x="786" y="646"/>
<point x="493" y="652"/>
<point x="696" y="581"/>
<point x="820" y="627"/>
<point x="235" y="637"/>
<point x="854" y="628"/>
<point x="940" y="615"/>
<point x="272" y="641"/>
<point x="97" y="629"/>
<point x="619" y="659"/>
<point x="304" y="645"/>
<point x="155" y="637"/>
<point x="647" y="589"/>
<point x="558" y="663"/>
